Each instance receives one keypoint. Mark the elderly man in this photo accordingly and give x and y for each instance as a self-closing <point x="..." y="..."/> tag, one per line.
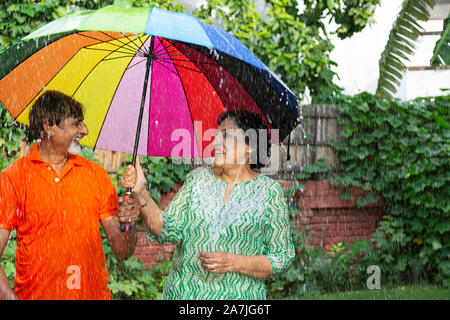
<point x="55" y="200"/>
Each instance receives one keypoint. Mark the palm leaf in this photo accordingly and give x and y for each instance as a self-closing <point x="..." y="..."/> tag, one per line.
<point x="401" y="44"/>
<point x="441" y="52"/>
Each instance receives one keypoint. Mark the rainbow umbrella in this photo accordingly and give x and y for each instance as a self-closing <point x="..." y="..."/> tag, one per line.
<point x="146" y="77"/>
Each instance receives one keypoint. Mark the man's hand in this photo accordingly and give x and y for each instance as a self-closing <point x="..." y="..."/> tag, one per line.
<point x="122" y="243"/>
<point x="129" y="210"/>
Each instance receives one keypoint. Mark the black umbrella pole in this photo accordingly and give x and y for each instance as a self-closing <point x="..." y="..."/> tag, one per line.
<point x="124" y="227"/>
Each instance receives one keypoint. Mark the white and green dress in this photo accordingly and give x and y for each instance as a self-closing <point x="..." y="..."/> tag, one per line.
<point x="253" y="221"/>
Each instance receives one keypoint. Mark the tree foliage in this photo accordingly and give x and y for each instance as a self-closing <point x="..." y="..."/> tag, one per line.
<point x="289" y="37"/>
<point x="401" y="44"/>
<point x="441" y="52"/>
<point x="11" y="134"/>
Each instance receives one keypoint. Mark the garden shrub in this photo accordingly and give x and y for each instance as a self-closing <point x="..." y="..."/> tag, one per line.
<point x="401" y="150"/>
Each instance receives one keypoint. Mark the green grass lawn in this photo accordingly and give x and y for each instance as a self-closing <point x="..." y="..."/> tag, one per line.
<point x="399" y="293"/>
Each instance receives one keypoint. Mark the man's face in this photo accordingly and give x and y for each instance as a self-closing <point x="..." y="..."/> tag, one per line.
<point x="68" y="134"/>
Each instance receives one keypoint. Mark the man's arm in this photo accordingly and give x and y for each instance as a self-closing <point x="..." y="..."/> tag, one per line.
<point x="122" y="243"/>
<point x="6" y="293"/>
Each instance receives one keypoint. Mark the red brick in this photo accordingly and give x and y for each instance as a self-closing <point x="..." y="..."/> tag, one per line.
<point x="332" y="219"/>
<point x="310" y="190"/>
<point x="307" y="213"/>
<point x="325" y="188"/>
<point x="285" y="184"/>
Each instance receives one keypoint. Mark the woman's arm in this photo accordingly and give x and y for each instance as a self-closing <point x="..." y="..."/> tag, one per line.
<point x="278" y="245"/>
<point x="151" y="213"/>
<point x="220" y="262"/>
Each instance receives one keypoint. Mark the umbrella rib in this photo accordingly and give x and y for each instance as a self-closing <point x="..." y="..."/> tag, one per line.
<point x="164" y="47"/>
<point x="118" y="39"/>
<point x="108" y="50"/>
<point x="183" y="54"/>
<point x="114" y="58"/>
<point x="132" y="50"/>
<point x="178" y="65"/>
<point x="142" y="45"/>
<point x="156" y="49"/>
<point x="156" y="60"/>
<point x="81" y="83"/>
<point x="197" y="62"/>
<point x="214" y="64"/>
<point x="218" y="93"/>
<point x="132" y="41"/>
<point x="128" y="68"/>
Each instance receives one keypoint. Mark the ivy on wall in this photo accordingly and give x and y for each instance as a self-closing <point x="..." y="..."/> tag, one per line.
<point x="401" y="150"/>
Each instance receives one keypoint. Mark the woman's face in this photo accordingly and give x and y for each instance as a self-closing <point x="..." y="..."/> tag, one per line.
<point x="229" y="145"/>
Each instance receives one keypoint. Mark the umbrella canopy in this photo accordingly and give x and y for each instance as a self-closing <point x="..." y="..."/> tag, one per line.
<point x="99" y="57"/>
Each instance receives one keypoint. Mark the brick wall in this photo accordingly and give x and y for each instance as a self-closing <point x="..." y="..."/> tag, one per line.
<point x="330" y="219"/>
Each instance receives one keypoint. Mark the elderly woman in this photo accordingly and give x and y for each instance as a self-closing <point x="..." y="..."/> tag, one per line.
<point x="231" y="223"/>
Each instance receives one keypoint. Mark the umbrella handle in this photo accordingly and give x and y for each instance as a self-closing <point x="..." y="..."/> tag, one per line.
<point x="125" y="226"/>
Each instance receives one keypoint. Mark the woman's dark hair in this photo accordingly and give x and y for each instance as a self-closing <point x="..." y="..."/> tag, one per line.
<point x="52" y="107"/>
<point x="247" y="120"/>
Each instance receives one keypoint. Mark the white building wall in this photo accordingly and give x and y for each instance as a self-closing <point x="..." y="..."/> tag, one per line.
<point x="358" y="56"/>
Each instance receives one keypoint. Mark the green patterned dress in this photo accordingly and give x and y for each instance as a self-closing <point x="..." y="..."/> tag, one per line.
<point x="253" y="221"/>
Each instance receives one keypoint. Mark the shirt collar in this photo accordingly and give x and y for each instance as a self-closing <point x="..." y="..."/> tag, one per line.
<point x="34" y="156"/>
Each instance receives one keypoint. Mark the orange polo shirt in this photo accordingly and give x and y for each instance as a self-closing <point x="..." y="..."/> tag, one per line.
<point x="59" y="249"/>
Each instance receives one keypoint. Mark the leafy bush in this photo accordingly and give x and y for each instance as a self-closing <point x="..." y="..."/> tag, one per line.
<point x="402" y="151"/>
<point x="11" y="134"/>
<point x="130" y="279"/>
<point x="316" y="271"/>
<point x="395" y="256"/>
<point x="8" y="259"/>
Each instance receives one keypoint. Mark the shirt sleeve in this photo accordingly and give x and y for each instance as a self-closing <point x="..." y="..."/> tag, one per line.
<point x="175" y="215"/>
<point x="278" y="245"/>
<point x="9" y="204"/>
<point x="109" y="201"/>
